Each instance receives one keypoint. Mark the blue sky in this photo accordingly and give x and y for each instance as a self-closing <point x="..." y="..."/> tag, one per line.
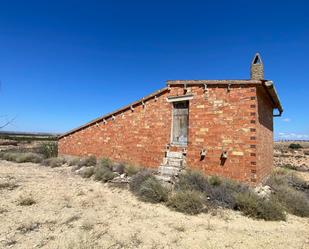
<point x="63" y="63"/>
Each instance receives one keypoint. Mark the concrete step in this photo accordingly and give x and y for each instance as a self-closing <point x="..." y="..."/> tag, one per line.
<point x="169" y="170"/>
<point x="173" y="154"/>
<point x="174" y="162"/>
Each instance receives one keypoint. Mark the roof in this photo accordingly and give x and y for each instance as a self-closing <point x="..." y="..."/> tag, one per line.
<point x="268" y="85"/>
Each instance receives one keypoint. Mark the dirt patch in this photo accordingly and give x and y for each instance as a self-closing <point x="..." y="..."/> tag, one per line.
<point x="71" y="212"/>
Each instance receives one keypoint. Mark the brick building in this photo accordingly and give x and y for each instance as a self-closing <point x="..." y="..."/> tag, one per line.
<point x="222" y="127"/>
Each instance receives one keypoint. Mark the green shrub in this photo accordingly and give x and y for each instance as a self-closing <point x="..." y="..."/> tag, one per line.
<point x="74" y="161"/>
<point x="295" y="146"/>
<point x="87" y="172"/>
<point x="192" y="180"/>
<point x="118" y="167"/>
<point x="291" y="191"/>
<point x="151" y="190"/>
<point x="87" y="161"/>
<point x="294" y="201"/>
<point x="218" y="190"/>
<point x="53" y="162"/>
<point x="9" y="156"/>
<point x="48" y="149"/>
<point x="189" y="202"/>
<point x="280" y="177"/>
<point x="131" y="170"/>
<point x="138" y="179"/>
<point x="103" y="173"/>
<point x="289" y="166"/>
<point x="28" y="157"/>
<point x="214" y="180"/>
<point x="223" y="194"/>
<point x="21" y="157"/>
<point x="253" y="206"/>
<point x="105" y="162"/>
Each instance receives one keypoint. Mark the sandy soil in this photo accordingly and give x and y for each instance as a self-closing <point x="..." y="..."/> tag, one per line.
<point x="71" y="212"/>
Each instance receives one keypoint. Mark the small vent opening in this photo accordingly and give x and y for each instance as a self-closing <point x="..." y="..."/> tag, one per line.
<point x="257" y="60"/>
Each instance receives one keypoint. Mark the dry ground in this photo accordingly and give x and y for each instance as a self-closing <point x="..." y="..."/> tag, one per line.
<point x="71" y="212"/>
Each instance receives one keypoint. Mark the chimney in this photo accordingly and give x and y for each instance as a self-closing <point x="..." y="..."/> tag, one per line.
<point x="257" y="68"/>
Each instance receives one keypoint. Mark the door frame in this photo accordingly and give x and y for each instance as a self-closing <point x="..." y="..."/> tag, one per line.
<point x="172" y="124"/>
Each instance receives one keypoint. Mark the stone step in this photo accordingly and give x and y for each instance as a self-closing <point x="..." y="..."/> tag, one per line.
<point x="174" y="162"/>
<point x="169" y="170"/>
<point x="173" y="154"/>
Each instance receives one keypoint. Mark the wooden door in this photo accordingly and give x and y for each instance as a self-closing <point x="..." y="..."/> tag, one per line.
<point x="180" y="123"/>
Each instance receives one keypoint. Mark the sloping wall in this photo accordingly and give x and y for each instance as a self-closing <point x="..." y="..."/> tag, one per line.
<point x="138" y="136"/>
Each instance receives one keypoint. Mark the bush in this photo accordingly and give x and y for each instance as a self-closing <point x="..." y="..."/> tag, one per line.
<point x="118" y="167"/>
<point x="21" y="157"/>
<point x="289" y="166"/>
<point x="223" y="193"/>
<point x="253" y="206"/>
<point x="87" y="172"/>
<point x="294" y="201"/>
<point x="54" y="162"/>
<point x="151" y="190"/>
<point x="106" y="162"/>
<point x="87" y="161"/>
<point x="131" y="170"/>
<point x="281" y="177"/>
<point x="9" y="156"/>
<point x="193" y="180"/>
<point x="220" y="191"/>
<point x="28" y="157"/>
<point x="48" y="149"/>
<point x="291" y="191"/>
<point x="189" y="202"/>
<point x="214" y="180"/>
<point x="138" y="179"/>
<point x="295" y="146"/>
<point x="103" y="173"/>
<point x="74" y="161"/>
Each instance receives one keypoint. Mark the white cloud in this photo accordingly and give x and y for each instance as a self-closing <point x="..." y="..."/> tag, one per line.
<point x="286" y="120"/>
<point x="292" y="136"/>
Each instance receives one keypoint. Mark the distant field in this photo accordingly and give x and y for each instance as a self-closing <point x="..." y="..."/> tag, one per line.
<point x="285" y="144"/>
<point x="24" y="136"/>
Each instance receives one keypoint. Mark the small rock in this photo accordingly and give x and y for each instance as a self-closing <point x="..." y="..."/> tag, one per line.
<point x="263" y="191"/>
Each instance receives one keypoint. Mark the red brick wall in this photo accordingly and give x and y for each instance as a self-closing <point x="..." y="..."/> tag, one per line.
<point x="222" y="121"/>
<point x="138" y="137"/>
<point x="265" y="134"/>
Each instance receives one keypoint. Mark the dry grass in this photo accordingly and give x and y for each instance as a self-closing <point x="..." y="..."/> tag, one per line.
<point x="9" y="185"/>
<point x="188" y="202"/>
<point x="54" y="162"/>
<point x="21" y="157"/>
<point x="26" y="200"/>
<point x="120" y="220"/>
<point x="28" y="227"/>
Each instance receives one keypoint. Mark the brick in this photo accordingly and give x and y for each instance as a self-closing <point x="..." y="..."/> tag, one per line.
<point x="222" y="122"/>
